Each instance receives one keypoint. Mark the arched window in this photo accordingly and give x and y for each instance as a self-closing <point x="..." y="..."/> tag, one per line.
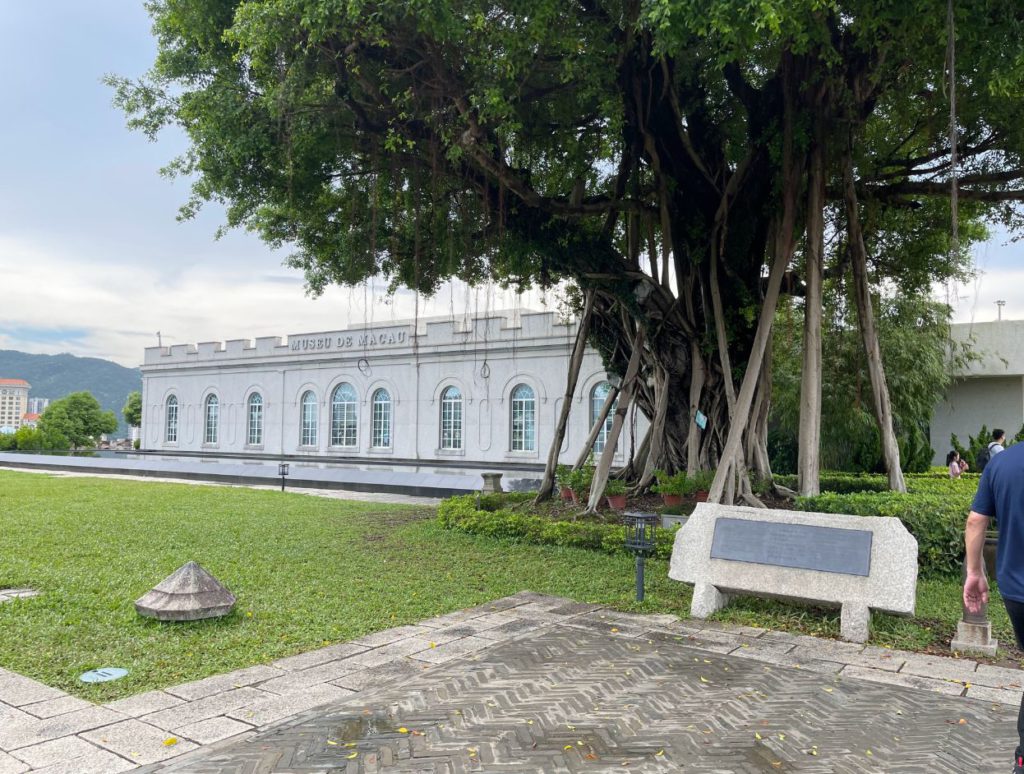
<point x="210" y="423"/>
<point x="524" y="419"/>
<point x="598" y="396"/>
<point x="255" y="434"/>
<point x="380" y="435"/>
<point x="451" y="418"/>
<point x="171" y="426"/>
<point x="308" y="404"/>
<point x="344" y="417"/>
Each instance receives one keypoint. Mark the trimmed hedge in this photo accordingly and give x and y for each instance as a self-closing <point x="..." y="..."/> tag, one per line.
<point x="841" y="483"/>
<point x="935" y="518"/>
<point x="461" y="513"/>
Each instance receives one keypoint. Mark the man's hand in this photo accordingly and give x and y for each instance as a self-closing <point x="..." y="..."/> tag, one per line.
<point x="975" y="592"/>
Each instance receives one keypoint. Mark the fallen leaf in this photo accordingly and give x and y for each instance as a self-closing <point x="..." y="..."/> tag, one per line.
<point x="963" y="722"/>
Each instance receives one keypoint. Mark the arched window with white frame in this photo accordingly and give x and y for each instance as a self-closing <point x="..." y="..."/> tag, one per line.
<point x="524" y="419"/>
<point x="211" y="419"/>
<point x="254" y="436"/>
<point x="171" y="424"/>
<point x="380" y="431"/>
<point x="598" y="396"/>
<point x="344" y="416"/>
<point x="307" y="435"/>
<point x="451" y="418"/>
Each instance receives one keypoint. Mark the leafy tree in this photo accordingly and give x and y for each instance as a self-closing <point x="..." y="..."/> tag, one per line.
<point x="677" y="159"/>
<point x="8" y="442"/>
<point x="78" y="418"/>
<point x="33" y="439"/>
<point x="132" y="411"/>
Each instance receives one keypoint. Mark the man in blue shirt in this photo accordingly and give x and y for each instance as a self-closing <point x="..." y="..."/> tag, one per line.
<point x="1000" y="496"/>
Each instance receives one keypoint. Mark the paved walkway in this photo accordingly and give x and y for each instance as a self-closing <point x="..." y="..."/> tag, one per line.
<point x="532" y="683"/>
<point x="334" y="494"/>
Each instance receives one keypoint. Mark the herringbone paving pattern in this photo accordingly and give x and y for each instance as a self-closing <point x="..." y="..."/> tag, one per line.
<point x="579" y="699"/>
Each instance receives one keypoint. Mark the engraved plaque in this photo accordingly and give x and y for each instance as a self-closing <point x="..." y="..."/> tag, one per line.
<point x="803" y="546"/>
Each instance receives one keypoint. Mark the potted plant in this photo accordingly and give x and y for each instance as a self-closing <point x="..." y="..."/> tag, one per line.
<point x="563" y="475"/>
<point x="615" y="493"/>
<point x="699" y="484"/>
<point x="671" y="488"/>
<point x="579" y="482"/>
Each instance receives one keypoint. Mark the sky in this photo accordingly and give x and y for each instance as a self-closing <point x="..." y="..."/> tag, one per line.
<point x="93" y="260"/>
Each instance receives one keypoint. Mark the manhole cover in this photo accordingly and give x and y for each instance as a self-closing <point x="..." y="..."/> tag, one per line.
<point x="103" y="675"/>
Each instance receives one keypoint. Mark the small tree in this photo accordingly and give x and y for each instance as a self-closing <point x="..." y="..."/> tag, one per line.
<point x="79" y="418"/>
<point x="132" y="411"/>
<point x="33" y="439"/>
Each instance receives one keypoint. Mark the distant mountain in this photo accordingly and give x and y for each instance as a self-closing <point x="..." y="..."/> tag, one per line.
<point x="54" y="376"/>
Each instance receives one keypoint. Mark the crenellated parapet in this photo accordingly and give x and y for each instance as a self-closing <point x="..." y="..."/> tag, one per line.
<point x="501" y="328"/>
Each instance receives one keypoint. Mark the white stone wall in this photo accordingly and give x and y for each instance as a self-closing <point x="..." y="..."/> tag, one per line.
<point x="485" y="359"/>
<point x="988" y="391"/>
<point x="995" y="401"/>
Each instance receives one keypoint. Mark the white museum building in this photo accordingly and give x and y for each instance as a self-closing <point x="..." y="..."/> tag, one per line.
<point x="988" y="391"/>
<point x="481" y="390"/>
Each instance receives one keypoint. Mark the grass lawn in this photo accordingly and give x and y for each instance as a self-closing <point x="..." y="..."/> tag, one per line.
<point x="307" y="571"/>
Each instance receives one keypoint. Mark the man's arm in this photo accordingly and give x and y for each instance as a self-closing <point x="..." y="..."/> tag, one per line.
<point x="975" y="585"/>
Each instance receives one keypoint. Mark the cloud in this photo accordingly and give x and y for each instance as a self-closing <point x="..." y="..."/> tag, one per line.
<point x="59" y="303"/>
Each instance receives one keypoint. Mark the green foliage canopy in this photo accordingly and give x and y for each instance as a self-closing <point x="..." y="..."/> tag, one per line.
<point x="78" y="418"/>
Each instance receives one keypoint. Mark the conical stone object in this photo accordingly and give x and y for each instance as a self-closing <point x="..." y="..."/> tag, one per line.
<point x="187" y="594"/>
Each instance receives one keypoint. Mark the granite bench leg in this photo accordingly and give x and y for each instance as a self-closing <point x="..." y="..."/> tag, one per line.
<point x="706" y="600"/>
<point x="854" y="622"/>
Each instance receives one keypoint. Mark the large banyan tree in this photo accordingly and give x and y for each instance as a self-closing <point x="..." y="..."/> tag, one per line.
<point x="680" y="162"/>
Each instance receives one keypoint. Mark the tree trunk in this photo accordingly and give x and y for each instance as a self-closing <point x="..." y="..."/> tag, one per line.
<point x="809" y="456"/>
<point x="626" y="398"/>
<point x="547" y="484"/>
<point x="783" y="252"/>
<point x="694" y="432"/>
<point x="588" y="445"/>
<point x="657" y="428"/>
<point x="866" y="319"/>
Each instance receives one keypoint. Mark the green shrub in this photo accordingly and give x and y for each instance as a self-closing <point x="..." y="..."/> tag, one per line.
<point x="579" y="480"/>
<point x="461" y="513"/>
<point x="935" y="518"/>
<point x="615" y="486"/>
<point x="841" y="483"/>
<point x="682" y="484"/>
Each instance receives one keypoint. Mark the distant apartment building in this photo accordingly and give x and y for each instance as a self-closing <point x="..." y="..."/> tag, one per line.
<point x="37" y="405"/>
<point x="13" y="403"/>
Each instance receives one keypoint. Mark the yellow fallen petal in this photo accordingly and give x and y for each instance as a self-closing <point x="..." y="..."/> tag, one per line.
<point x="567" y="747"/>
<point x="660" y="752"/>
<point x="353" y="755"/>
<point x="403" y="730"/>
<point x="331" y="741"/>
<point x="782" y="737"/>
<point x="757" y="736"/>
<point x="614" y="629"/>
<point x="170" y="742"/>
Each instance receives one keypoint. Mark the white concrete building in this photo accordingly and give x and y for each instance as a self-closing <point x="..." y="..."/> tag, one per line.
<point x="484" y="390"/>
<point x="989" y="391"/>
<point x="13" y="403"/>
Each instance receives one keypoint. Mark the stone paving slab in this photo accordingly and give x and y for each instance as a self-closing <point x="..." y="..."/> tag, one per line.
<point x="247" y="704"/>
<point x="567" y="699"/>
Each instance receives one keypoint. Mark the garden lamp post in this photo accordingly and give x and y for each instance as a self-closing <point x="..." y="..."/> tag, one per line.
<point x="282" y="471"/>
<point x="640" y="540"/>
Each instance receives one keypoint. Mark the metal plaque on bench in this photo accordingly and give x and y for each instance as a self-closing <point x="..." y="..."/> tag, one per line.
<point x="803" y="546"/>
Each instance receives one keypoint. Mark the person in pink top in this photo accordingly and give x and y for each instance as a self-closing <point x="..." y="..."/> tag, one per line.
<point x="956" y="464"/>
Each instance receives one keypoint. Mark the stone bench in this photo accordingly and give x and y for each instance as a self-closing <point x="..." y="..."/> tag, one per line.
<point x="855" y="563"/>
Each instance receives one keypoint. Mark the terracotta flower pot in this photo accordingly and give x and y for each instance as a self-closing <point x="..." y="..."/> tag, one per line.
<point x="616" y="502"/>
<point x="566" y="493"/>
<point x="700" y="497"/>
<point x="672" y="500"/>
